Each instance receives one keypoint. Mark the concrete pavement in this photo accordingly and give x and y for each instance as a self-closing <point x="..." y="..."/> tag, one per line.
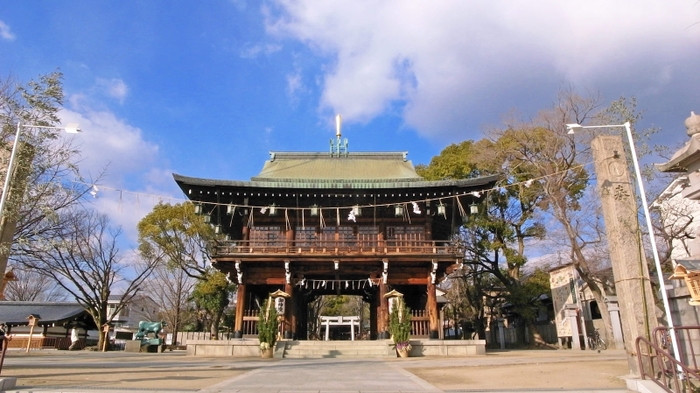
<point x="174" y="373"/>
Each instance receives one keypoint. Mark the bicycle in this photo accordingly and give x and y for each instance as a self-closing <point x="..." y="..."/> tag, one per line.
<point x="595" y="342"/>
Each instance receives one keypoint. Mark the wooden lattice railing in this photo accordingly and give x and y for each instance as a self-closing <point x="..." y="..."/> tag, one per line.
<point x="334" y="247"/>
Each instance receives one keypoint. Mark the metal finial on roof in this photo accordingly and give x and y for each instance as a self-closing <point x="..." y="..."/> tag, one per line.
<point x="338" y="123"/>
<point x="338" y="146"/>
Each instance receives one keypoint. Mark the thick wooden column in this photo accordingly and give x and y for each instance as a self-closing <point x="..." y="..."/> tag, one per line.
<point x="240" y="311"/>
<point x="373" y="308"/>
<point x="290" y="313"/>
<point x="432" y="309"/>
<point x="382" y="313"/>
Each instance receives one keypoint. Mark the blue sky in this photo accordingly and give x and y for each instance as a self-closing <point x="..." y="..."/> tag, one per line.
<point x="207" y="89"/>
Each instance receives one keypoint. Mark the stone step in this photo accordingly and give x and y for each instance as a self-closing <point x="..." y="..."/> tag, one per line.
<point x="338" y="349"/>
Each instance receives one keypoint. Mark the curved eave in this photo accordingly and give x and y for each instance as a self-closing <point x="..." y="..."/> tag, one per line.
<point x="186" y="181"/>
<point x="685" y="158"/>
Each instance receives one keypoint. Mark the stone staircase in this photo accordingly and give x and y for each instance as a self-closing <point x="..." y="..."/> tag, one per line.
<point x="337" y="349"/>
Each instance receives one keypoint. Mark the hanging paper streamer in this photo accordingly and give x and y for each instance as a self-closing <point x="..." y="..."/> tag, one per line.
<point x="348" y="284"/>
<point x="416" y="209"/>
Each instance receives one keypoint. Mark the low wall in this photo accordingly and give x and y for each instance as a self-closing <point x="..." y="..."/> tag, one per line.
<point x="236" y="347"/>
<point x="448" y="348"/>
<point x="250" y="348"/>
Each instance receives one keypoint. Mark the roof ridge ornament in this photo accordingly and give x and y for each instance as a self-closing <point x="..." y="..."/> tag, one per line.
<point x="339" y="146"/>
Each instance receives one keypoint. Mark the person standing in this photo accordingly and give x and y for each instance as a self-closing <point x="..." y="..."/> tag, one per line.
<point x="74" y="339"/>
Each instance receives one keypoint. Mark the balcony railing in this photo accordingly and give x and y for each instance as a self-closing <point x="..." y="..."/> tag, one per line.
<point x="335" y="247"/>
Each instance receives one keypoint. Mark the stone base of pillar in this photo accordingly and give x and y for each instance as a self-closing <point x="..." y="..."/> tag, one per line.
<point x="434" y="335"/>
<point x="237" y="334"/>
<point x="383" y="336"/>
<point x="288" y="335"/>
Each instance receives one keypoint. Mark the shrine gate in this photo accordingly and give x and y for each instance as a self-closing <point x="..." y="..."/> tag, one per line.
<point x="313" y="224"/>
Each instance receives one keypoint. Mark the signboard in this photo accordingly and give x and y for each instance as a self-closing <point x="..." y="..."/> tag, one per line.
<point x="563" y="285"/>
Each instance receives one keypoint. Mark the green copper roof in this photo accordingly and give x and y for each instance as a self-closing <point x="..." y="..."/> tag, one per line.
<point x="285" y="166"/>
<point x="374" y="170"/>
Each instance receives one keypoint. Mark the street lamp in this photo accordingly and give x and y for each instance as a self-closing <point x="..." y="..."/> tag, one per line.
<point x="70" y="128"/>
<point x="572" y="128"/>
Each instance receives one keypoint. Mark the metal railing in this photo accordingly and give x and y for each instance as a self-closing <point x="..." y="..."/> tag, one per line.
<point x="657" y="363"/>
<point x="3" y="348"/>
<point x="334" y="247"/>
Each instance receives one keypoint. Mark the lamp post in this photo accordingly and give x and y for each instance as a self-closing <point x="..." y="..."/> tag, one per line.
<point x="572" y="128"/>
<point x="70" y="128"/>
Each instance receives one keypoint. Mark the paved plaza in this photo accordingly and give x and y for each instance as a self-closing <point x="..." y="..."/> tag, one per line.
<point x="174" y="372"/>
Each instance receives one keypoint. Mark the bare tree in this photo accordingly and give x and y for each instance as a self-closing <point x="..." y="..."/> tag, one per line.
<point x="31" y="286"/>
<point x="171" y="288"/>
<point x="85" y="261"/>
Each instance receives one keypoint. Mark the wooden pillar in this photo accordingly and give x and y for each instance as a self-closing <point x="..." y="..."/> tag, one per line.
<point x="302" y="305"/>
<point x="373" y="308"/>
<point x="290" y="313"/>
<point x="429" y="223"/>
<point x="245" y="231"/>
<point x="431" y="306"/>
<point x="382" y="313"/>
<point x="240" y="311"/>
<point x="381" y="235"/>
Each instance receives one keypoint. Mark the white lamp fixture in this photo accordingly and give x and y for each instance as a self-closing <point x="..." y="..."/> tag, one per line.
<point x="474" y="208"/>
<point x="197" y="209"/>
<point x="356" y="211"/>
<point x="398" y="211"/>
<point x="572" y="128"/>
<point x="314" y="210"/>
<point x="442" y="210"/>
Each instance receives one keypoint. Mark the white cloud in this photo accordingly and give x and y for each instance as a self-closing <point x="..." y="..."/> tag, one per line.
<point x="110" y="143"/>
<point x="253" y="51"/>
<point x="115" y="88"/>
<point x="5" y="32"/>
<point x="444" y="62"/>
<point x="294" y="86"/>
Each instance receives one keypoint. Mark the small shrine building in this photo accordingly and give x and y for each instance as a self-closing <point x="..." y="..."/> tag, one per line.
<point x="326" y="223"/>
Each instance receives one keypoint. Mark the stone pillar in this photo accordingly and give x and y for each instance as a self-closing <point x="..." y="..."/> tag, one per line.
<point x="614" y="310"/>
<point x="501" y="333"/>
<point x="572" y="316"/>
<point x="240" y="311"/>
<point x="630" y="270"/>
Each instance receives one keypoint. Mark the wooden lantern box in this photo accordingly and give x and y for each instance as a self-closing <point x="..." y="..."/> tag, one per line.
<point x="689" y="270"/>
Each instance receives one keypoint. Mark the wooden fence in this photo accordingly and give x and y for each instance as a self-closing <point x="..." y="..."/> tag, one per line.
<point x="44" y="343"/>
<point x="420" y="324"/>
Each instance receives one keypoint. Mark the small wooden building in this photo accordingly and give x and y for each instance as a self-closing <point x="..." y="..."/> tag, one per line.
<point x="313" y="224"/>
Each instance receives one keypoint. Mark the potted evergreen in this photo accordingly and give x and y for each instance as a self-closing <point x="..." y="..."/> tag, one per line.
<point x="267" y="328"/>
<point x="400" y="327"/>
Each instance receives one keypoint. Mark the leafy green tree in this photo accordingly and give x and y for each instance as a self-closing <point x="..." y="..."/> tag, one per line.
<point x="212" y="294"/>
<point x="50" y="181"/>
<point x="176" y="236"/>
